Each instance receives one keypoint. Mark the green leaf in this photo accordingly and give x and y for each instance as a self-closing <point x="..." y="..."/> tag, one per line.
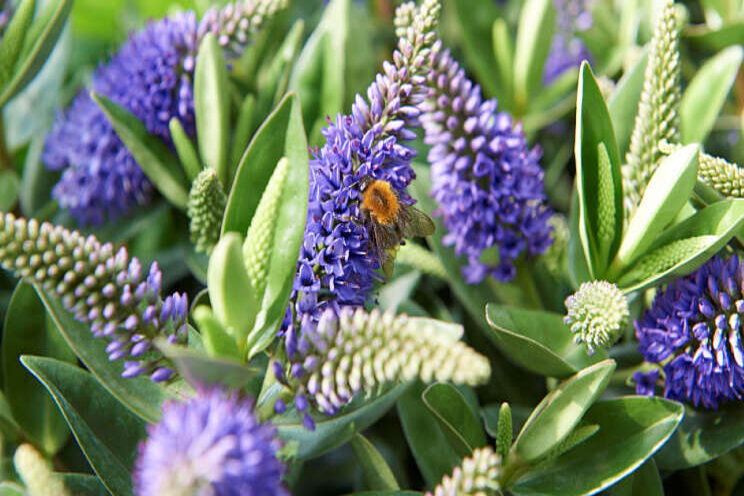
<point x="715" y="40"/>
<point x="10" y="428"/>
<point x="9" y="184"/>
<point x="560" y="411"/>
<point x="630" y="431"/>
<point x="212" y="106"/>
<point x="89" y="485"/>
<point x="8" y="488"/>
<point x="185" y="149"/>
<point x="593" y="129"/>
<point x="216" y="339"/>
<point x="534" y="36"/>
<point x="13" y="36"/>
<point x="274" y="75"/>
<point x="26" y="331"/>
<point x="39" y="42"/>
<point x="504" y="430"/>
<point x="459" y="424"/>
<point x="201" y="370"/>
<point x="139" y="394"/>
<point x="668" y="190"/>
<point x="433" y="454"/>
<point x="643" y="482"/>
<point x="715" y="225"/>
<point x="503" y="51"/>
<point x="241" y="135"/>
<point x="702" y="436"/>
<point x="152" y="155"/>
<point x="376" y="472"/>
<point x="331" y="432"/>
<point x="623" y="103"/>
<point x="36" y="181"/>
<point x="705" y="95"/>
<point x="107" y="432"/>
<point x="539" y="341"/>
<point x="475" y="20"/>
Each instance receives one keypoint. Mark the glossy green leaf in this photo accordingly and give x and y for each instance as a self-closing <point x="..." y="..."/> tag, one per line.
<point x="433" y="454"/>
<point x="331" y="432"/>
<point x="185" y="149"/>
<point x="459" y="424"/>
<point x="107" y="432"/>
<point x="376" y="472"/>
<point x="274" y="76"/>
<point x="716" y="224"/>
<point x="643" y="482"/>
<point x="539" y="341"/>
<point x="578" y="270"/>
<point x="716" y="39"/>
<point x="560" y="411"/>
<point x="534" y="36"/>
<point x="26" y="331"/>
<point x="84" y="484"/>
<point x="475" y="20"/>
<point x="38" y="44"/>
<point x="668" y="190"/>
<point x="241" y="134"/>
<point x="152" y="155"/>
<point x="631" y="429"/>
<point x="503" y="51"/>
<point x="9" y="184"/>
<point x="139" y="394"/>
<point x="216" y="339"/>
<point x="13" y="36"/>
<point x="212" y="106"/>
<point x="623" y="103"/>
<point x="702" y="436"/>
<point x="594" y="128"/>
<point x="705" y="95"/>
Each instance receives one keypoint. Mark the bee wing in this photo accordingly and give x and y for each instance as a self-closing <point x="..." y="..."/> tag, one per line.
<point x="388" y="262"/>
<point x="419" y="224"/>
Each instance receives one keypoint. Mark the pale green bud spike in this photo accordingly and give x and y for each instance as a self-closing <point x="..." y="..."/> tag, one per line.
<point x="37" y="474"/>
<point x="597" y="314"/>
<point x="421" y="259"/>
<point x="658" y="110"/>
<point x="504" y="432"/>
<point x="556" y="256"/>
<point x="605" y="202"/>
<point x="259" y="241"/>
<point x="205" y="208"/>
<point x="666" y="257"/>
<point x="723" y="176"/>
<point x="404" y="17"/>
<point x="478" y="475"/>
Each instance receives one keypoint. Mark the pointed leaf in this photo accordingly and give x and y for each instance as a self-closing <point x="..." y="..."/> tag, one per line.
<point x="594" y="128"/>
<point x="458" y="422"/>
<point x="475" y="20"/>
<point x="212" y="106"/>
<point x="107" y="432"/>
<point x="158" y="163"/>
<point x="556" y="415"/>
<point x="539" y="341"/>
<point x="643" y="482"/>
<point x="630" y="431"/>
<point x="623" y="103"/>
<point x="89" y="485"/>
<point x="705" y="95"/>
<point x="534" y="36"/>
<point x="376" y="472"/>
<point x="215" y="338"/>
<point x="13" y="36"/>
<point x="26" y="331"/>
<point x="185" y="149"/>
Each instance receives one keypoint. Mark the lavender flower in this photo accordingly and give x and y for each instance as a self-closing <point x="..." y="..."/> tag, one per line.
<point x="212" y="444"/>
<point x="566" y="50"/>
<point x="487" y="182"/>
<point x="646" y="382"/>
<point x="693" y="329"/>
<point x="99" y="286"/>
<point x="354" y="351"/>
<point x="151" y="76"/>
<point x="336" y="266"/>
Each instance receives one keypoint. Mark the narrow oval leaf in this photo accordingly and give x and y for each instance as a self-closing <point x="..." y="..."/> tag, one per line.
<point x="475" y="20"/>
<point x="44" y="33"/>
<point x="556" y="416"/>
<point x="643" y="482"/>
<point x="185" y="149"/>
<point x="155" y="159"/>
<point x="458" y="422"/>
<point x="668" y="190"/>
<point x="376" y="472"/>
<point x="534" y="36"/>
<point x="705" y="95"/>
<point x="215" y="338"/>
<point x="212" y="106"/>
<point x="139" y="394"/>
<point x="241" y="134"/>
<point x="623" y="103"/>
<point x="13" y="37"/>
<point x="593" y="131"/>
<point x="631" y="429"/>
<point x="539" y="341"/>
<point x="106" y="432"/>
<point x="26" y="332"/>
<point x="89" y="485"/>
<point x="9" y="184"/>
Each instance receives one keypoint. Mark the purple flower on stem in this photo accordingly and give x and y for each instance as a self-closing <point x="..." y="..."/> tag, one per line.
<point x="567" y="50"/>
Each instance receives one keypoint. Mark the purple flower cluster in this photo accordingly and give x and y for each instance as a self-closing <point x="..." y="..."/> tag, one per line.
<point x="149" y="76"/>
<point x="487" y="182"/>
<point x="694" y="329"/>
<point x="566" y="50"/>
<point x="212" y="444"/>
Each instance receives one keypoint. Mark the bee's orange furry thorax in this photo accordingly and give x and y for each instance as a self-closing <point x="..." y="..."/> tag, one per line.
<point x="381" y="202"/>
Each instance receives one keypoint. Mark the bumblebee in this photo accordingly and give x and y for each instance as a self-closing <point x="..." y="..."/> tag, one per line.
<point x="389" y="221"/>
